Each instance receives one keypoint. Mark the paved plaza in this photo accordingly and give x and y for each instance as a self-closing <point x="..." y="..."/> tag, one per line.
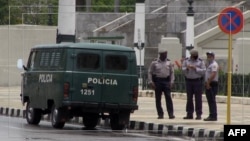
<point x="239" y="110"/>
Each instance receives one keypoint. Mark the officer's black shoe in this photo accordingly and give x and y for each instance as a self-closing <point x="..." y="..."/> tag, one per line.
<point x="160" y="117"/>
<point x="171" y="117"/>
<point x="210" y="119"/>
<point x="188" y="117"/>
<point x="198" y="118"/>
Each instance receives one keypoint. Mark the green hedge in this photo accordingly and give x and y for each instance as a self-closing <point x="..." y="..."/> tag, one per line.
<point x="239" y="84"/>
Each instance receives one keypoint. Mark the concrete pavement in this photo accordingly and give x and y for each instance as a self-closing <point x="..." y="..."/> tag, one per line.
<point x="146" y="117"/>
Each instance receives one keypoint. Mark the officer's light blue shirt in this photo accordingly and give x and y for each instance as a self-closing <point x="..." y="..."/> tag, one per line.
<point x="212" y="67"/>
<point x="161" y="69"/>
<point x="198" y="72"/>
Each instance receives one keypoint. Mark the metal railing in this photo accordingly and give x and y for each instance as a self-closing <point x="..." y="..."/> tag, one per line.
<point x="240" y="84"/>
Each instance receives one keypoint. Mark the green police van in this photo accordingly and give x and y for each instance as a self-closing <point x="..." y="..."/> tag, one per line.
<point x="87" y="80"/>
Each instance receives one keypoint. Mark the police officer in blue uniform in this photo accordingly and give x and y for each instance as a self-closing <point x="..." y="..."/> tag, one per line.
<point x="211" y="85"/>
<point x="194" y="69"/>
<point x="161" y="79"/>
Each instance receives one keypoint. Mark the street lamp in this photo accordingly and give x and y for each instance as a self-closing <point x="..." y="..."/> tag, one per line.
<point x="190" y="11"/>
<point x="50" y="14"/>
<point x="190" y="28"/>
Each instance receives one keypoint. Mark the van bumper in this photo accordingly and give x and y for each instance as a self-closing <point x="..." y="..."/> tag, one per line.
<point x="100" y="106"/>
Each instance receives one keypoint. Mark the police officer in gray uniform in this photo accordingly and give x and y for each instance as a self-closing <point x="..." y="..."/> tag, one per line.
<point x="161" y="79"/>
<point x="194" y="69"/>
<point x="211" y="85"/>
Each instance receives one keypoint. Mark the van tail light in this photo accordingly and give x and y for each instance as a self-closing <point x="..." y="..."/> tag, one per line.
<point x="66" y="87"/>
<point x="135" y="93"/>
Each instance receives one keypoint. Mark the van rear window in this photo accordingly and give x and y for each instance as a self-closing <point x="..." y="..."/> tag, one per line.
<point x="116" y="62"/>
<point x="88" y="61"/>
<point x="46" y="59"/>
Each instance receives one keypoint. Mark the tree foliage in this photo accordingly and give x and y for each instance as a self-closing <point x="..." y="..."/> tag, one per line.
<point x="3" y="10"/>
<point x="36" y="12"/>
<point x="108" y="5"/>
<point x="127" y="5"/>
<point x="27" y="11"/>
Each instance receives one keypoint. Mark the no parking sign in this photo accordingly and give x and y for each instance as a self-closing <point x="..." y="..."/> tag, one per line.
<point x="231" y="20"/>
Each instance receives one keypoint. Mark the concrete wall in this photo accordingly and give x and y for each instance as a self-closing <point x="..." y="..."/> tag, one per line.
<point x="240" y="55"/>
<point x="16" y="42"/>
<point x="218" y="41"/>
<point x="174" y="48"/>
<point x="170" y="21"/>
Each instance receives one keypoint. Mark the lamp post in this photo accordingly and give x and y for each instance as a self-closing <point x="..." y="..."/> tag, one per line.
<point x="50" y="14"/>
<point x="189" y="28"/>
<point x="139" y="36"/>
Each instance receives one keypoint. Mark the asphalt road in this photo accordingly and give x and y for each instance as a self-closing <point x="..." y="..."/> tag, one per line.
<point x="16" y="129"/>
<point x="9" y="97"/>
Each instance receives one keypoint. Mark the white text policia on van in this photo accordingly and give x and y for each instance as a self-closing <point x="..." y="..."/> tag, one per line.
<point x="45" y="78"/>
<point x="102" y="81"/>
<point x="48" y="78"/>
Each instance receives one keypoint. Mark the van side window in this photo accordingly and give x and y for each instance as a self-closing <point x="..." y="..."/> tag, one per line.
<point x="44" y="61"/>
<point x="55" y="59"/>
<point x="31" y="63"/>
<point x="88" y="61"/>
<point x="116" y="62"/>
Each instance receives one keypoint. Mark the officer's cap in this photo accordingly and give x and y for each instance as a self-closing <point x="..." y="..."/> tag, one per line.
<point x="210" y="53"/>
<point x="193" y="52"/>
<point x="162" y="51"/>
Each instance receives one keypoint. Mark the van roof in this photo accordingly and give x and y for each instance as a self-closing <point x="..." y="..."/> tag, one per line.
<point x="98" y="46"/>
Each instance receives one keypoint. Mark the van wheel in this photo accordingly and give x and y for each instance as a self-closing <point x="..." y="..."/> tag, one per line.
<point x="56" y="116"/>
<point x="115" y="123"/>
<point x="90" y="120"/>
<point x="33" y="115"/>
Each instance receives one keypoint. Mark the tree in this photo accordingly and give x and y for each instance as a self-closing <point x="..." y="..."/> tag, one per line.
<point x="36" y="11"/>
<point x="3" y="12"/>
<point x="27" y="11"/>
<point x="127" y="5"/>
<point x="108" y="5"/>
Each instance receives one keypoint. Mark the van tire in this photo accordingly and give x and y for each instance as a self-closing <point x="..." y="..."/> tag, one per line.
<point x="56" y="118"/>
<point x="115" y="122"/>
<point x="33" y="115"/>
<point x="90" y="120"/>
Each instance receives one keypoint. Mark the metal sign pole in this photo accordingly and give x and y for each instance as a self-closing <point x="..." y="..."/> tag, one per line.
<point x="230" y="21"/>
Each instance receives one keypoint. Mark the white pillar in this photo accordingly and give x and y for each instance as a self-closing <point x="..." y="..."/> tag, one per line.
<point x="139" y="33"/>
<point x="139" y="36"/>
<point x="189" y="29"/>
<point x="66" y="18"/>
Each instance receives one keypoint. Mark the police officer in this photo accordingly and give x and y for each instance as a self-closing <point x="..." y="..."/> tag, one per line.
<point x="211" y="86"/>
<point x="194" y="68"/>
<point x="161" y="79"/>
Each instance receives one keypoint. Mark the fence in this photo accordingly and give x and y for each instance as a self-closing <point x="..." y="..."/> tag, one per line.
<point x="240" y="84"/>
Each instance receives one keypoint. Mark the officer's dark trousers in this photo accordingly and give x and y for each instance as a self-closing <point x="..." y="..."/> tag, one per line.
<point x="211" y="99"/>
<point x="194" y="87"/>
<point x="163" y="86"/>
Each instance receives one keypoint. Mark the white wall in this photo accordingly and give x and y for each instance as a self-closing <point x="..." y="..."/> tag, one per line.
<point x="174" y="48"/>
<point x="16" y="42"/>
<point x="241" y="54"/>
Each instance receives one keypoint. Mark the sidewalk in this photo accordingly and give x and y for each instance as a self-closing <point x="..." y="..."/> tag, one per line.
<point x="240" y="114"/>
<point x="240" y="111"/>
<point x="145" y="118"/>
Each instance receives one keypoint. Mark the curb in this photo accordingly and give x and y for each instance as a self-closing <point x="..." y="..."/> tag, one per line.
<point x="158" y="129"/>
<point x="219" y="98"/>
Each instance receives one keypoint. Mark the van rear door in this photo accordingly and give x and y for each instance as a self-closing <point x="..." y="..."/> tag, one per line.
<point x="116" y="77"/>
<point x="87" y="73"/>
